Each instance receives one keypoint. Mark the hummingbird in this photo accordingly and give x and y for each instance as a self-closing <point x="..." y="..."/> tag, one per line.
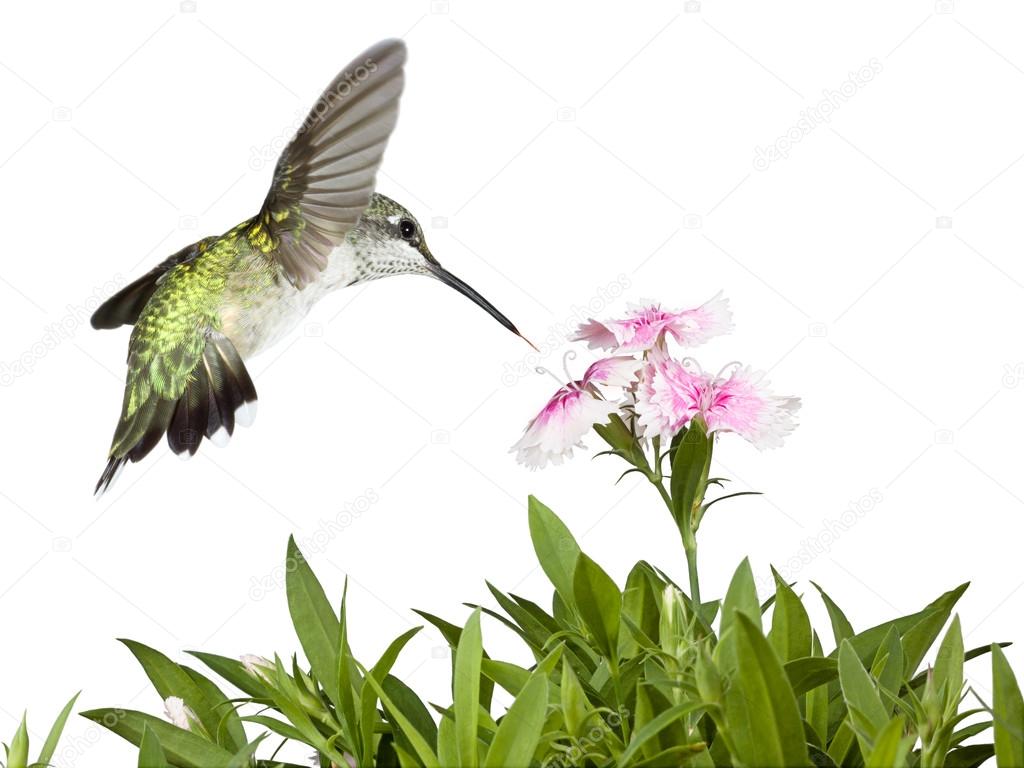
<point x="200" y="313"/>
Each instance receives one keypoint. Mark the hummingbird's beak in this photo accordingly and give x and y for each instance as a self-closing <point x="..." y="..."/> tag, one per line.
<point x="466" y="290"/>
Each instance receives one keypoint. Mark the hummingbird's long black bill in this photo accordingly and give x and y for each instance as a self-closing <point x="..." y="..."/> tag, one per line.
<point x="466" y="290"/>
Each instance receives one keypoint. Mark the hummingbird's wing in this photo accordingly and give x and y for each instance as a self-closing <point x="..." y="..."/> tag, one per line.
<point x="125" y="306"/>
<point x="326" y="175"/>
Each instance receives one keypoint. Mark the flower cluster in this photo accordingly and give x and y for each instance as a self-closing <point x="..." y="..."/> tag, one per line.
<point x="657" y="394"/>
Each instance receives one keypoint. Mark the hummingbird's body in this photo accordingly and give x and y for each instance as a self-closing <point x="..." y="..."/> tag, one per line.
<point x="203" y="311"/>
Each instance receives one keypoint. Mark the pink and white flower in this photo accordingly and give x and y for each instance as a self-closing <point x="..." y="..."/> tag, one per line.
<point x="572" y="411"/>
<point x="671" y="395"/>
<point x="646" y="327"/>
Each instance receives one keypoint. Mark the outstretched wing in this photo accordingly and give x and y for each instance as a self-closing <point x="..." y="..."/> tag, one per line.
<point x="326" y="175"/>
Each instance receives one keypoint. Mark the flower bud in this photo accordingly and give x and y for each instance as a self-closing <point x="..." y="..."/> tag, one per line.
<point x="180" y="714"/>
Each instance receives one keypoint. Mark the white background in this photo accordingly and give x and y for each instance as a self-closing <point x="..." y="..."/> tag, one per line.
<point x="571" y="150"/>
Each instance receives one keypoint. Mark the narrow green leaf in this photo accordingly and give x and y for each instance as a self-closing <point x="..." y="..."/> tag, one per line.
<point x="555" y="546"/>
<point x="689" y="468"/>
<point x="183" y="748"/>
<point x="575" y="705"/>
<point x="447" y="749"/>
<point x="867" y="713"/>
<point x="234" y="672"/>
<point x="316" y="625"/>
<point x="413" y="710"/>
<point x="519" y="731"/>
<point x="243" y="757"/>
<point x="17" y="753"/>
<point x="203" y="697"/>
<point x="653" y="727"/>
<point x="151" y="754"/>
<point x="740" y="598"/>
<point x="764" y="722"/>
<point x="790" y="635"/>
<point x="599" y="603"/>
<point x="466" y="686"/>
<point x="1007" y="712"/>
<point x="949" y="665"/>
<point x="810" y="672"/>
<point x="816" y="704"/>
<point x="52" y="739"/>
<point x="368" y="700"/>
<point x="416" y="739"/>
<point x="841" y="627"/>
<point x="891" y="747"/>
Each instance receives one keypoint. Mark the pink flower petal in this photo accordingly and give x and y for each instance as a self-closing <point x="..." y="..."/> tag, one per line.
<point x="613" y="371"/>
<point x="670" y="396"/>
<point x="560" y="426"/>
<point x="646" y="326"/>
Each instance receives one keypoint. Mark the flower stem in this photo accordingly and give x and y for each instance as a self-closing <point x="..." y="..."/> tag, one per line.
<point x="691" y="567"/>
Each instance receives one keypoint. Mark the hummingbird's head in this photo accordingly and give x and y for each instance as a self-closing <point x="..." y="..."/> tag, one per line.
<point x="389" y="241"/>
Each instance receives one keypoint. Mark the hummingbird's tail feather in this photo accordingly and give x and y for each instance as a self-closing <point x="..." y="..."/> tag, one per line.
<point x="218" y="395"/>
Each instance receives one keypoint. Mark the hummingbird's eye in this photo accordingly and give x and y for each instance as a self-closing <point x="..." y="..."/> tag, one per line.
<point x="407" y="228"/>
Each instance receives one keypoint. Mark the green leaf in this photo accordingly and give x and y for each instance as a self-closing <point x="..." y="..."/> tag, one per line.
<point x="278" y="727"/>
<point x="234" y="672"/>
<point x="841" y="627"/>
<point x="867" y="713"/>
<point x="368" y="699"/>
<point x="447" y="749"/>
<point x="555" y="546"/>
<point x="509" y="676"/>
<point x="519" y="731"/>
<point x="689" y="470"/>
<point x="466" y="686"/>
<point x="761" y="710"/>
<point x="816" y="704"/>
<point x="790" y="635"/>
<point x="183" y="748"/>
<point x="171" y="679"/>
<point x="1007" y="712"/>
<point x="316" y="625"/>
<point x="809" y="672"/>
<point x="866" y="643"/>
<point x="949" y="665"/>
<point x="740" y="598"/>
<point x="575" y="705"/>
<point x="228" y="732"/>
<point x="413" y="710"/>
<point x="641" y="603"/>
<point x="151" y="754"/>
<point x="419" y="744"/>
<point x="652" y="728"/>
<point x="50" y="745"/>
<point x="891" y="747"/>
<point x="243" y="757"/>
<point x="17" y="753"/>
<point x="600" y="605"/>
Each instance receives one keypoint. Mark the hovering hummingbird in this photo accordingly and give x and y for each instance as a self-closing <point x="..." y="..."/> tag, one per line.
<point x="200" y="313"/>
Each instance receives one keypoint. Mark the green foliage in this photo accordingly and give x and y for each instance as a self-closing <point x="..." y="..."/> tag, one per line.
<point x="635" y="676"/>
<point x="17" y="752"/>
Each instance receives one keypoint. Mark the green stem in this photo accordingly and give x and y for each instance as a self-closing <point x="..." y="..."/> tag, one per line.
<point x="691" y="567"/>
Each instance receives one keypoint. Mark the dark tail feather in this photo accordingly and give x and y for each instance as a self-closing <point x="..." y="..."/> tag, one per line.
<point x="110" y="472"/>
<point x="219" y="394"/>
